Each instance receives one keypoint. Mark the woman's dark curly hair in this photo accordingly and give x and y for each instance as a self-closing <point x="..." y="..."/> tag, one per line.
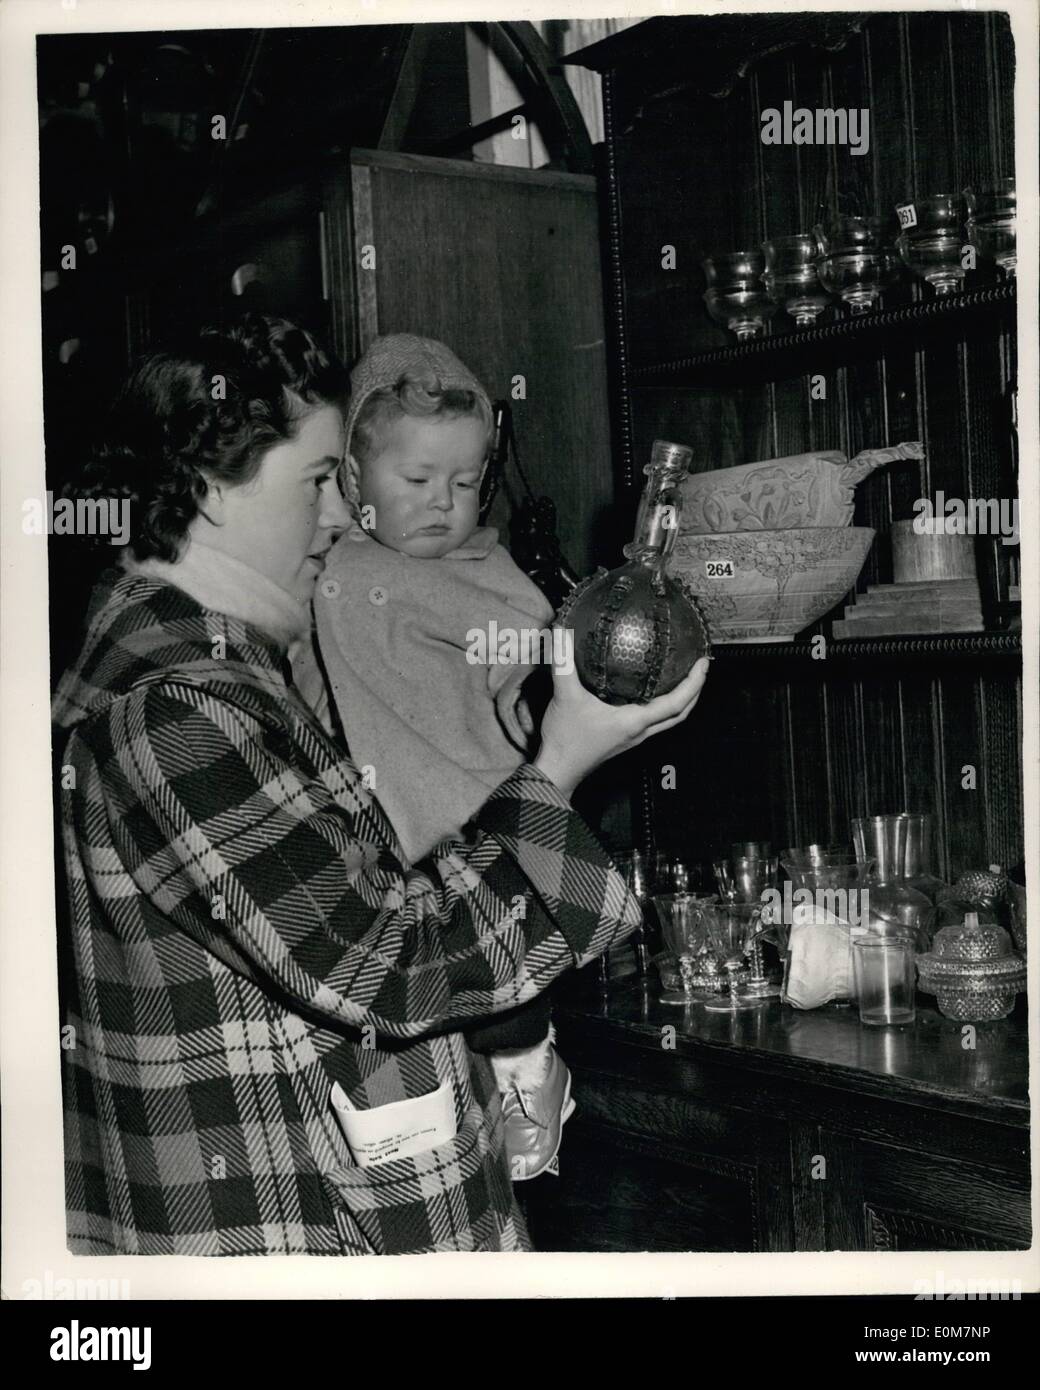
<point x="207" y="410"/>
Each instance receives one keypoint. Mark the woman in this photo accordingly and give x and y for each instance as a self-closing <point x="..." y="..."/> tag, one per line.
<point x="243" y="936"/>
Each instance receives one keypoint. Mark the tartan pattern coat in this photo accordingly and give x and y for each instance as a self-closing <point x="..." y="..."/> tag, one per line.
<point x="241" y="933"/>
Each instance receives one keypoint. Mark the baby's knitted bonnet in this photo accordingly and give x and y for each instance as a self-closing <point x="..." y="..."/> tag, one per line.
<point x="384" y="364"/>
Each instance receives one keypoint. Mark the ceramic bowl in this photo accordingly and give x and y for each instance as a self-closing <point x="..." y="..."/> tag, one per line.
<point x="766" y="586"/>
<point x="802" y="490"/>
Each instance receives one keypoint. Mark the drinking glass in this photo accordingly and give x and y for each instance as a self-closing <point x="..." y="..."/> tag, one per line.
<point x="883" y="968"/>
<point x="992" y="223"/>
<point x="937" y="214"/>
<point x="791" y="277"/>
<point x="744" y="878"/>
<point x="817" y="856"/>
<point x="671" y="875"/>
<point x="744" y="312"/>
<point x="917" y="864"/>
<point x="735" y="296"/>
<point x="685" y="931"/>
<point x="751" y="849"/>
<point x="857" y="277"/>
<point x="632" y="867"/>
<point x="896" y="907"/>
<point x="838" y="885"/>
<point x="936" y="259"/>
<point x="732" y="928"/>
<point x="843" y="232"/>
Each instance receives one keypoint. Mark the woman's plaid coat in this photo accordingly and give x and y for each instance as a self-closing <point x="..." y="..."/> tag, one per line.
<point x="240" y="934"/>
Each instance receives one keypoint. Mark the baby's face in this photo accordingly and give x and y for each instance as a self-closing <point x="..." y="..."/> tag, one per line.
<point x="424" y="485"/>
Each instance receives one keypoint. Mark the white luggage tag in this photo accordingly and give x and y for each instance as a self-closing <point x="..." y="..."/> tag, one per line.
<point x="400" y="1129"/>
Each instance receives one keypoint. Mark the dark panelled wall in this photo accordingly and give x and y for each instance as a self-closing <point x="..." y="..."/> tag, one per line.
<point x="788" y="752"/>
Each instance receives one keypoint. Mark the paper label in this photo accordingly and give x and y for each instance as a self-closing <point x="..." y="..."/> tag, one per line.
<point x="719" y="569"/>
<point x="398" y="1130"/>
<point x="907" y="215"/>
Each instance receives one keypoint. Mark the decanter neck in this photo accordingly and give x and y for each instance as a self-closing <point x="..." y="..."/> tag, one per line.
<point x="660" y="507"/>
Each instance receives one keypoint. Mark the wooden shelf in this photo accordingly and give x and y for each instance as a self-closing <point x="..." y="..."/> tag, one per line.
<point x="827" y="345"/>
<point x="973" y="646"/>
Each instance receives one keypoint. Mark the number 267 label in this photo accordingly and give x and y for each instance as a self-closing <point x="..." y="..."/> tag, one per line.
<point x="719" y="569"/>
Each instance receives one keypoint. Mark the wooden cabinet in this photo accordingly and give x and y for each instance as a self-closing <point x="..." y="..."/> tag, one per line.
<point x="776" y="1130"/>
<point x="786" y="745"/>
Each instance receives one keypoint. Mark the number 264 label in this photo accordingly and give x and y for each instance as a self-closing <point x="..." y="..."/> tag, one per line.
<point x="719" y="569"/>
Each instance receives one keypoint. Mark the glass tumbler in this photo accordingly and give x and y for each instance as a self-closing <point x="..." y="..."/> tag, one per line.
<point x="883" y="969"/>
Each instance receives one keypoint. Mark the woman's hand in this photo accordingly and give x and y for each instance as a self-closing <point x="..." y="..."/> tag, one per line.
<point x="579" y="732"/>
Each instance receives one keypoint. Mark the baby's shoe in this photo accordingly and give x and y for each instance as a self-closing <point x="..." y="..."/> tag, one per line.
<point x="536" y="1102"/>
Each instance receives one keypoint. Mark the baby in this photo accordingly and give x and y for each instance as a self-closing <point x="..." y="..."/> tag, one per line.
<point x="404" y="594"/>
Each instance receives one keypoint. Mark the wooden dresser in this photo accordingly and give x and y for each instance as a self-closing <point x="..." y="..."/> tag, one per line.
<point x="779" y="1130"/>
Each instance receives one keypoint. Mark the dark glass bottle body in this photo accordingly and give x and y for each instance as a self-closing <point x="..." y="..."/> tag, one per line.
<point x="637" y="630"/>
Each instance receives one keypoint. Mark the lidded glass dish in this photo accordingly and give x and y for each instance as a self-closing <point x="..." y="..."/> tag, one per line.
<point x="972" y="971"/>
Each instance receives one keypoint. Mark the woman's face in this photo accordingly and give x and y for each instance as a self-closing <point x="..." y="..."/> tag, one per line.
<point x="424" y="484"/>
<point x="284" y="519"/>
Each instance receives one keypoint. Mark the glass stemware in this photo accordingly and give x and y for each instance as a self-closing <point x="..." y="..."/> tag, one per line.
<point x="857" y="277"/>
<point x="843" y="232"/>
<point x="745" y="877"/>
<point x="837" y="884"/>
<point x="735" y="296"/>
<point x="791" y="277"/>
<point x="992" y="223"/>
<point x="937" y="214"/>
<point x="732" y="929"/>
<point x="936" y="259"/>
<point x="685" y="931"/>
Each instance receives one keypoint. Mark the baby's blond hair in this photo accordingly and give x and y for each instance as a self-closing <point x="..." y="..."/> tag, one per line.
<point x="420" y="396"/>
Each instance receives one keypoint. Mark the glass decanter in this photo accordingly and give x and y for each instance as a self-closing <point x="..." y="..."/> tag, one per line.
<point x="637" y="631"/>
<point x="895" y="906"/>
<point x="917" y="866"/>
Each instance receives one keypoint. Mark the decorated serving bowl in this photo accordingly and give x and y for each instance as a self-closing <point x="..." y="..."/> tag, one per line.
<point x="766" y="586"/>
